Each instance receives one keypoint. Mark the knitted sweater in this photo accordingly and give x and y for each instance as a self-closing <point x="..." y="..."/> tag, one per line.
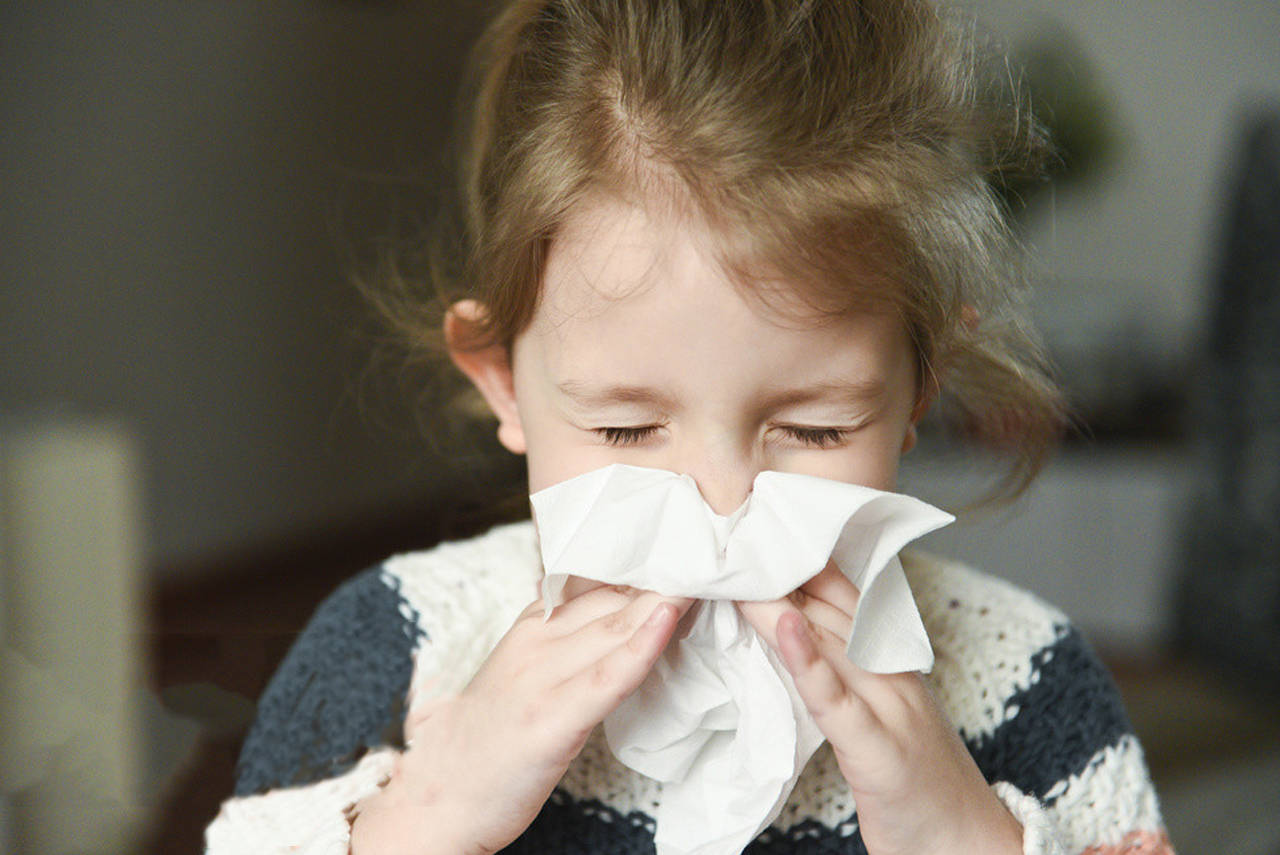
<point x="1036" y="709"/>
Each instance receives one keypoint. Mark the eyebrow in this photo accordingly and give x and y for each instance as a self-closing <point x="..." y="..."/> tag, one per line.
<point x="588" y="395"/>
<point x="855" y="392"/>
<point x="850" y="392"/>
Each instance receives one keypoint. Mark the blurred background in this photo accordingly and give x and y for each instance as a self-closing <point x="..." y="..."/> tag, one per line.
<point x="196" y="443"/>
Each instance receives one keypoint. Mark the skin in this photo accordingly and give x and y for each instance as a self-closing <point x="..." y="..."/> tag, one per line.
<point x="643" y="351"/>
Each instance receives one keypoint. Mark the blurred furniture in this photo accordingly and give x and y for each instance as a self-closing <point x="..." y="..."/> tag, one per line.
<point x="1229" y="594"/>
<point x="70" y="717"/>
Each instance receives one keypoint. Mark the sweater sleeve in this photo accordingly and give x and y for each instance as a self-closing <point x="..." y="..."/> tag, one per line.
<point x="328" y="727"/>
<point x="1039" y="713"/>
<point x="1067" y="762"/>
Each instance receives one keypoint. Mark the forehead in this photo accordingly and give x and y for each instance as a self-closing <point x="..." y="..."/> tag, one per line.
<point x="611" y="249"/>
<point x="630" y="290"/>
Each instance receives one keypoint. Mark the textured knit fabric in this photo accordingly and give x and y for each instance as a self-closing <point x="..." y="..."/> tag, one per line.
<point x="1034" y="706"/>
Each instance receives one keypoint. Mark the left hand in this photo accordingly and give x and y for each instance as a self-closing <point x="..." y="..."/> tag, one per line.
<point x="916" y="787"/>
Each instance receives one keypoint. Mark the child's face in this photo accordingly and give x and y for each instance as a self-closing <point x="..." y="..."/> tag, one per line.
<point x="642" y="351"/>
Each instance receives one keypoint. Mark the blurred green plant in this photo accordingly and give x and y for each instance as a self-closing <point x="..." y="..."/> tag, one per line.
<point x="1061" y="83"/>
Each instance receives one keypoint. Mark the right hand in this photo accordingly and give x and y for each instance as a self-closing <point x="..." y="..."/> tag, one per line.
<point x="480" y="764"/>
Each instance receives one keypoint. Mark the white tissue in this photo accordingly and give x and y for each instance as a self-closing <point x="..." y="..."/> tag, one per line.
<point x="718" y="721"/>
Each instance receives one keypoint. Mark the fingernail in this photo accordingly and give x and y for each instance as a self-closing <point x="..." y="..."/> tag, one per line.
<point x="806" y="633"/>
<point x="659" y="614"/>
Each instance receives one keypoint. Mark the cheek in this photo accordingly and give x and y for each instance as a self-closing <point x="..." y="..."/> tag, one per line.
<point x="870" y="460"/>
<point x="557" y="453"/>
<point x="879" y="474"/>
<point x="550" y="460"/>
<point x="548" y="453"/>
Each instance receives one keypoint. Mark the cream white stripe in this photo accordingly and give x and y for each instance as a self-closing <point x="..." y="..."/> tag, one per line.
<point x="984" y="632"/>
<point x="1109" y="798"/>
<point x="307" y="820"/>
<point x="466" y="595"/>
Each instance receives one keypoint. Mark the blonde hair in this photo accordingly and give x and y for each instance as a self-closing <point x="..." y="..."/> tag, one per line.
<point x="845" y="147"/>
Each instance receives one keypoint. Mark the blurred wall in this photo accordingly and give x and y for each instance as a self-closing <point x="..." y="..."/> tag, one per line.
<point x="1133" y="251"/>
<point x="179" y="178"/>
<point x="179" y="181"/>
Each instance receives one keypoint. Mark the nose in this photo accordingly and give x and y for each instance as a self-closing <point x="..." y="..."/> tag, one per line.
<point x="724" y="477"/>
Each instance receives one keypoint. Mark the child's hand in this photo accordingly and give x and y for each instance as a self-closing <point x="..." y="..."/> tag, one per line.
<point x="480" y="765"/>
<point x="917" y="789"/>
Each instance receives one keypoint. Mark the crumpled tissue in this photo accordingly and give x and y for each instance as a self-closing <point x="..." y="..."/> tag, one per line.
<point x="718" y="720"/>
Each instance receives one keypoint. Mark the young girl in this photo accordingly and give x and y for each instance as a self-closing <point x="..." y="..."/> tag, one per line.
<point x="716" y="238"/>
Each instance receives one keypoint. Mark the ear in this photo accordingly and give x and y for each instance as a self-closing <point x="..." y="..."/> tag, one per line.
<point x="928" y="393"/>
<point x="488" y="366"/>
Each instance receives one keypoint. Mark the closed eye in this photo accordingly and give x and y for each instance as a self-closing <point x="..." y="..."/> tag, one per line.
<point x="626" y="435"/>
<point x="816" y="437"/>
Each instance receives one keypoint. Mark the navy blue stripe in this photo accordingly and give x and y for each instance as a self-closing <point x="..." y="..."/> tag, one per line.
<point x="569" y="826"/>
<point x="808" y="837"/>
<point x="341" y="689"/>
<point x="1070" y="711"/>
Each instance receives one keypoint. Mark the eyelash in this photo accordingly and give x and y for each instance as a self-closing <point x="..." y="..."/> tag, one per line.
<point x="824" y="437"/>
<point x="626" y="435"/>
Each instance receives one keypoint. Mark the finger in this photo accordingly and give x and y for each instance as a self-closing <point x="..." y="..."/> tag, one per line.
<point x="583" y="609"/>
<point x="576" y="586"/>
<point x="598" y="689"/>
<point x="828" y="625"/>
<point x="566" y="655"/>
<point x="830" y="646"/>
<point x="688" y="619"/>
<point x="822" y="613"/>
<point x="764" y="616"/>
<point x="817" y="667"/>
<point x="882" y="693"/>
<point x="613" y="629"/>
<point x="832" y="586"/>
<point x="828" y="599"/>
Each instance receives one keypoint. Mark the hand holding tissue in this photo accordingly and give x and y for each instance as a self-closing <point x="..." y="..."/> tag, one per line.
<point x="718" y="721"/>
